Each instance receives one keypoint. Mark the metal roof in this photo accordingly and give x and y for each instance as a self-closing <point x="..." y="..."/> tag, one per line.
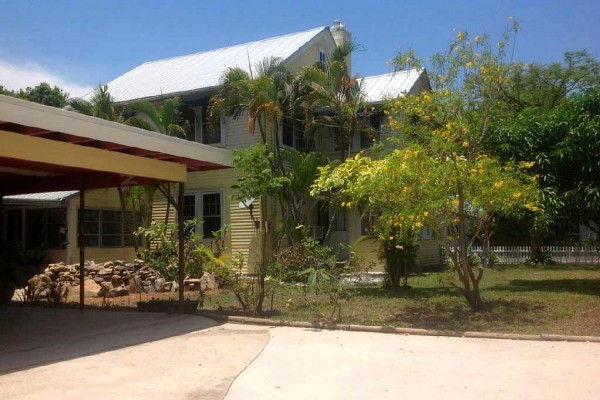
<point x="194" y="72"/>
<point x="40" y="197"/>
<point x="382" y="87"/>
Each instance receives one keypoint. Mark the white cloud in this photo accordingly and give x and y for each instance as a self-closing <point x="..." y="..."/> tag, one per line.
<point x="20" y="76"/>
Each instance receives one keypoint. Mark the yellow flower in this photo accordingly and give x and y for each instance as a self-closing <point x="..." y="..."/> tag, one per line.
<point x="399" y="247"/>
<point x="531" y="207"/>
<point x="455" y="202"/>
<point x="391" y="238"/>
<point x="477" y="39"/>
<point x="460" y="36"/>
<point x="516" y="195"/>
<point x="498" y="184"/>
<point x="418" y="225"/>
<point x="529" y="164"/>
<point x="470" y="64"/>
<point x="426" y="213"/>
<point x="465" y="144"/>
<point x="343" y="204"/>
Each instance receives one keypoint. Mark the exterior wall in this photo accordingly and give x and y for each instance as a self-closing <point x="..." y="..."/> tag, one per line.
<point x="308" y="55"/>
<point x="104" y="199"/>
<point x="237" y="135"/>
<point x="242" y="238"/>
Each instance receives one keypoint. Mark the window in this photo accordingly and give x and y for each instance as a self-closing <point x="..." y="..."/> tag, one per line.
<point x="44" y="228"/>
<point x="292" y="135"/>
<point x="323" y="57"/>
<point x="105" y="228"/>
<point x="367" y="224"/>
<point x="426" y="233"/>
<point x="207" y="208"/>
<point x="201" y="130"/>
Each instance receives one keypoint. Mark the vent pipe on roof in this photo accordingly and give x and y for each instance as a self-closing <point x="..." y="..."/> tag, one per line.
<point x="341" y="35"/>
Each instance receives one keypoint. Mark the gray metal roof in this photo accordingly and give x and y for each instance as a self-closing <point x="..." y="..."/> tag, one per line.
<point x="178" y="75"/>
<point x="39" y="197"/>
<point x="382" y="87"/>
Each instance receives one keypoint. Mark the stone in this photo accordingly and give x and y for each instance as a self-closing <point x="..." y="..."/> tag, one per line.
<point x="45" y="278"/>
<point x="118" y="292"/>
<point x="208" y="282"/>
<point x="98" y="279"/>
<point x="148" y="287"/>
<point x="109" y="264"/>
<point x="91" y="288"/>
<point x="105" y="272"/>
<point x="159" y="285"/>
<point x="93" y="267"/>
<point x="135" y="285"/>
<point x="116" y="280"/>
<point x="58" y="268"/>
<point x="119" y="268"/>
<point x="120" y="263"/>
<point x="192" y="284"/>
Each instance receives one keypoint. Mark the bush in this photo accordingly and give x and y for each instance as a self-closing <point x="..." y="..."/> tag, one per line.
<point x="163" y="253"/>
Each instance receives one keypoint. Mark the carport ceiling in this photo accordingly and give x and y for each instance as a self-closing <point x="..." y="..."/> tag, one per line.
<point x="48" y="149"/>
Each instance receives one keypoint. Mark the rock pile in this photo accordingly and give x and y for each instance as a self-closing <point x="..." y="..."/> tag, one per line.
<point x="110" y="279"/>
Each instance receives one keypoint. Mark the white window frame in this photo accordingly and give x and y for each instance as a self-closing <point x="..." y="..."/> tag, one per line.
<point x="198" y="127"/>
<point x="294" y="137"/>
<point x="199" y="203"/>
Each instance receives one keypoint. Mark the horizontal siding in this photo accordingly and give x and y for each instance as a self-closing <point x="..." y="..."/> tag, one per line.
<point x="101" y="199"/>
<point x="242" y="238"/>
<point x="429" y="253"/>
<point x="237" y="135"/>
<point x="310" y="54"/>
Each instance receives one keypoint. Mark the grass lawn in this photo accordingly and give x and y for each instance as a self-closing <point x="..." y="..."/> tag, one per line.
<point x="559" y="299"/>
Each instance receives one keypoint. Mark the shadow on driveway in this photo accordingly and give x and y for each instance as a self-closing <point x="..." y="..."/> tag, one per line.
<point x="30" y="337"/>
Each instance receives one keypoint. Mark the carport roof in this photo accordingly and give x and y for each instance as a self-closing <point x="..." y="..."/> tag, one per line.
<point x="48" y="149"/>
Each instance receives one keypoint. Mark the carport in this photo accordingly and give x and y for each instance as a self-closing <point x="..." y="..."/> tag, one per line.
<point x="46" y="149"/>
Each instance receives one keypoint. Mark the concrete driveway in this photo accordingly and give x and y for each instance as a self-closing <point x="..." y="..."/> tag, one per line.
<point x="66" y="354"/>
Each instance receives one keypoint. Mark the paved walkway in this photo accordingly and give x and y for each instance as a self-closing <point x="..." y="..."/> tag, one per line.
<point x="66" y="354"/>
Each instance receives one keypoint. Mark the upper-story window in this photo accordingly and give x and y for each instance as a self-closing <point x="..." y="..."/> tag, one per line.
<point x="201" y="130"/>
<point x="208" y="133"/>
<point x="323" y="57"/>
<point x="292" y="135"/>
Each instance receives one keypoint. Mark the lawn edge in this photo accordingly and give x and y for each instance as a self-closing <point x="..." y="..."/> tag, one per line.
<point x="393" y="330"/>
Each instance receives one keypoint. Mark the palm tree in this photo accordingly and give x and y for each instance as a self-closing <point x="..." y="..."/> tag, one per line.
<point x="165" y="119"/>
<point x="334" y="99"/>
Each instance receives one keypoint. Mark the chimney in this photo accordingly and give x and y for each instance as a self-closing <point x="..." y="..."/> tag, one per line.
<point x="341" y="35"/>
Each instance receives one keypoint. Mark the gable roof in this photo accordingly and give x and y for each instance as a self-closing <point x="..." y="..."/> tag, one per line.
<point x="382" y="87"/>
<point x="201" y="71"/>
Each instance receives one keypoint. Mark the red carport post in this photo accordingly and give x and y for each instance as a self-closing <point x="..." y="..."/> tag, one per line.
<point x="81" y="249"/>
<point x="181" y="236"/>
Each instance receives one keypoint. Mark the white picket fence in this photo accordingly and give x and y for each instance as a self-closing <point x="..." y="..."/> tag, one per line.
<point x="561" y="254"/>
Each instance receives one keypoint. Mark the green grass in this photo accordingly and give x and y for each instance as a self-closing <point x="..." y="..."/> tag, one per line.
<point x="560" y="299"/>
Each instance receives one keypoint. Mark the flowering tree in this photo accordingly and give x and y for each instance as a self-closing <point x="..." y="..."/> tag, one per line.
<point x="438" y="174"/>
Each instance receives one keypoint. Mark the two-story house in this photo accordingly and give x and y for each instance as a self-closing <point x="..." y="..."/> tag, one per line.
<point x="195" y="78"/>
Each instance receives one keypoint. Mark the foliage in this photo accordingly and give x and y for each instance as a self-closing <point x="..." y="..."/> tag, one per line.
<point x="165" y="119"/>
<point x="564" y="142"/>
<point x="305" y="260"/>
<point x="258" y="178"/>
<point x="561" y="299"/>
<point x="45" y="94"/>
<point x="163" y="254"/>
<point x="439" y="175"/>
<point x="333" y="98"/>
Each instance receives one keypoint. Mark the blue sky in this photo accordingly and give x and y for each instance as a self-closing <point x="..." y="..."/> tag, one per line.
<point x="78" y="44"/>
